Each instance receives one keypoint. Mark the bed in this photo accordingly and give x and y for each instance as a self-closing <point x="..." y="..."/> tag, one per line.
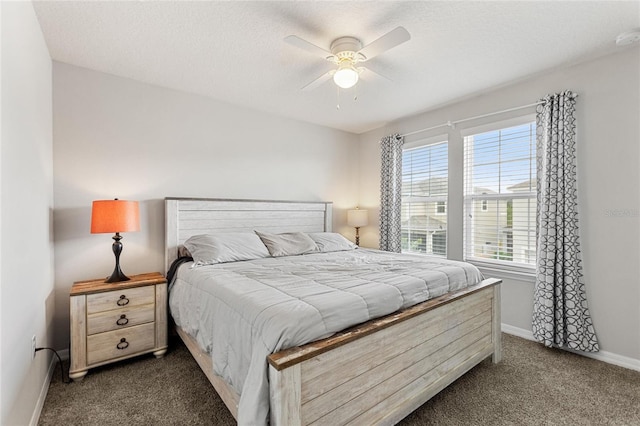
<point x="375" y="372"/>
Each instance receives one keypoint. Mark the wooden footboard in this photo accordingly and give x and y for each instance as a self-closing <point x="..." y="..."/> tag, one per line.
<point x="380" y="371"/>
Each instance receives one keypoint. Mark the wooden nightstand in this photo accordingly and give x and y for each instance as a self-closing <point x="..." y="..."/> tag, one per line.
<point x="115" y="321"/>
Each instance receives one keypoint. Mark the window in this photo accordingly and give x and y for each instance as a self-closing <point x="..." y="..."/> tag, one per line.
<point x="500" y="196"/>
<point x="424" y="199"/>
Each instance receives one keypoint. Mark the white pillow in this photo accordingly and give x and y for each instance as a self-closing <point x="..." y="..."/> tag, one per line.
<point x="287" y="244"/>
<point x="209" y="249"/>
<point x="331" y="241"/>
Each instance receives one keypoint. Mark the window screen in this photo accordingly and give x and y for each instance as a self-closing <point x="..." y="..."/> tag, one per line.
<point x="424" y="199"/>
<point x="500" y="196"/>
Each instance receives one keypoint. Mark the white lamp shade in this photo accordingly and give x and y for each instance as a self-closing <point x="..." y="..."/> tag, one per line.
<point x="357" y="218"/>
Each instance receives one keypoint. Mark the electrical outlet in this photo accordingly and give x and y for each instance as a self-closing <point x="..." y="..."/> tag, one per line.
<point x="33" y="346"/>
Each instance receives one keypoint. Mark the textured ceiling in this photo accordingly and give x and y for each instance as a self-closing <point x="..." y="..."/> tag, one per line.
<point x="234" y="51"/>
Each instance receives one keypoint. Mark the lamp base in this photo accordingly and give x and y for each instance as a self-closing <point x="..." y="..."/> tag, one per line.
<point x="117" y="275"/>
<point x="358" y="236"/>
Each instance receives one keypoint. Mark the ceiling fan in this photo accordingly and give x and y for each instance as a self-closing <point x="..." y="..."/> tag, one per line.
<point x="346" y="53"/>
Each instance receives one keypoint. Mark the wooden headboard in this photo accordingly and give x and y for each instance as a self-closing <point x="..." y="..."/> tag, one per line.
<point x="185" y="217"/>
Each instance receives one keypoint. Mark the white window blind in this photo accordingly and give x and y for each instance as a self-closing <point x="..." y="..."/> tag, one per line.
<point x="500" y="197"/>
<point x="424" y="199"/>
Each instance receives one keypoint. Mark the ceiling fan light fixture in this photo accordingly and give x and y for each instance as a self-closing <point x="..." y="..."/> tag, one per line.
<point x="346" y="76"/>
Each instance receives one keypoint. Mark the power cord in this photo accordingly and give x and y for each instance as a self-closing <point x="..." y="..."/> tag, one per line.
<point x="59" y="361"/>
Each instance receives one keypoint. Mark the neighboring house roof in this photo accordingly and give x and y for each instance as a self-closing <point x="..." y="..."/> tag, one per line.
<point x="527" y="185"/>
<point x="480" y="190"/>
<point x="435" y="186"/>
<point x="438" y="186"/>
<point x="424" y="223"/>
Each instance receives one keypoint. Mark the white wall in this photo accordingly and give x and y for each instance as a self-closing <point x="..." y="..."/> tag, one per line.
<point x="115" y="137"/>
<point x="1" y="118"/>
<point x="26" y="203"/>
<point x="608" y="111"/>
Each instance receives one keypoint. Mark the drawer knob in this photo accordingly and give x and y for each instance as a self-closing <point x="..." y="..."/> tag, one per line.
<point x="123" y="320"/>
<point x="123" y="300"/>
<point x="123" y="344"/>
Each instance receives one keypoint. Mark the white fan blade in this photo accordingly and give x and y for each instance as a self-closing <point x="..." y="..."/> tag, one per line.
<point x="309" y="47"/>
<point x="384" y="43"/>
<point x="318" y="81"/>
<point x="369" y="71"/>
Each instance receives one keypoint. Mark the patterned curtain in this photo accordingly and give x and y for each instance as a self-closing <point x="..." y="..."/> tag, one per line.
<point x="390" y="193"/>
<point x="560" y="313"/>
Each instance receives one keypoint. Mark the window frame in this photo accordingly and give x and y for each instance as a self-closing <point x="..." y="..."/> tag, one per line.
<point x="420" y="143"/>
<point x="519" y="269"/>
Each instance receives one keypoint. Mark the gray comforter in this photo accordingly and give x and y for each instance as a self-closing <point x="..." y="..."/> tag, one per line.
<point x="241" y="312"/>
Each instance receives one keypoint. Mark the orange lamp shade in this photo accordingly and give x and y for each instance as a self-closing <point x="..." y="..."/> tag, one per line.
<point x="108" y="216"/>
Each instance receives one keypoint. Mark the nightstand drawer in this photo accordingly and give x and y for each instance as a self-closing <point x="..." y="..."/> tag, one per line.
<point x="120" y="318"/>
<point x="120" y="343"/>
<point x="117" y="299"/>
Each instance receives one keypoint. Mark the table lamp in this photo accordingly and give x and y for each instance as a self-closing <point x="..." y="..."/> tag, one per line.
<point x="117" y="216"/>
<point x="357" y="218"/>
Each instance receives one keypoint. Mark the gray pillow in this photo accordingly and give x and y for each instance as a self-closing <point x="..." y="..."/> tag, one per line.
<point x="209" y="249"/>
<point x="287" y="244"/>
<point x="331" y="241"/>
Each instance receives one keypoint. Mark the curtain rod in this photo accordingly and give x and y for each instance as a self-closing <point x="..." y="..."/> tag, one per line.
<point x="453" y="123"/>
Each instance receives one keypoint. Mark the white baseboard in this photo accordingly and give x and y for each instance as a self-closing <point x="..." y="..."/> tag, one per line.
<point x="608" y="357"/>
<point x="515" y="331"/>
<point x="35" y="417"/>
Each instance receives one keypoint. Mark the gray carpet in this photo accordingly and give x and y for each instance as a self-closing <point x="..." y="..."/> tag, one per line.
<point x="533" y="385"/>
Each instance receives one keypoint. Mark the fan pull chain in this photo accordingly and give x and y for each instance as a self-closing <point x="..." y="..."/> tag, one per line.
<point x="355" y="96"/>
